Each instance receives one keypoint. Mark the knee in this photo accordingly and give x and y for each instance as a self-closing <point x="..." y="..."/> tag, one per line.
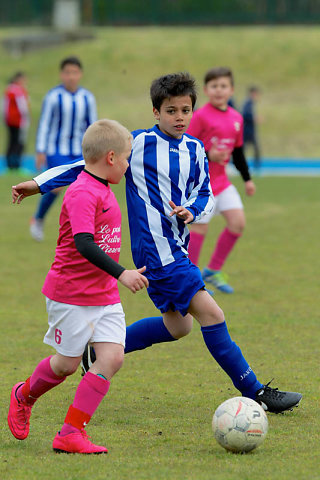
<point x="183" y="328"/>
<point x="242" y="226"/>
<point x="64" y="366"/>
<point x="66" y="370"/>
<point x="182" y="332"/>
<point x="220" y="316"/>
<point x="237" y="227"/>
<point x="217" y="315"/>
<point x="117" y="362"/>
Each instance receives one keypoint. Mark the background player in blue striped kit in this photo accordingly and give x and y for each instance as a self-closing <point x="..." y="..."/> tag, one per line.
<point x="67" y="111"/>
<point x="167" y="186"/>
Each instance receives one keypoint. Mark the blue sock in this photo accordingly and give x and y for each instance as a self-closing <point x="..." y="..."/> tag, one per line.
<point x="230" y="358"/>
<point x="45" y="203"/>
<point x="146" y="332"/>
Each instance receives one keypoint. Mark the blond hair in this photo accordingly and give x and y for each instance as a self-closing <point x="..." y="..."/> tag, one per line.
<point x="103" y="136"/>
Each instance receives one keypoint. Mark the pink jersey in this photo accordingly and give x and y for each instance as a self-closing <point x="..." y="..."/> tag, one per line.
<point x="89" y="206"/>
<point x="223" y="128"/>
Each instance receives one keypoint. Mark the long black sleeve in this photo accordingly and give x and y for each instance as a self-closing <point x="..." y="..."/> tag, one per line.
<point x="240" y="162"/>
<point x="87" y="247"/>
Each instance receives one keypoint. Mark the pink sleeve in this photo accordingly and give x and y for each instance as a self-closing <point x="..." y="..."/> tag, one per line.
<point x="81" y="206"/>
<point x="239" y="139"/>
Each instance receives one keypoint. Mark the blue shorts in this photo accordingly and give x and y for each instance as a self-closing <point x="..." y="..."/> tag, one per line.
<point x="56" y="160"/>
<point x="172" y="287"/>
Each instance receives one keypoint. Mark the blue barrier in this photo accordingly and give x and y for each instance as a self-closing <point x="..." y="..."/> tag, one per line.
<point x="27" y="164"/>
<point x="283" y="167"/>
<point x="269" y="166"/>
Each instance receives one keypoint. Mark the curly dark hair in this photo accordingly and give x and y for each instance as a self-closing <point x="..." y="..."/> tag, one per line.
<point x="172" y="85"/>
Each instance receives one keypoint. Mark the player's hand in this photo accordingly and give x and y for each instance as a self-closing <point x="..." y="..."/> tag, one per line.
<point x="181" y="212"/>
<point x="24" y="189"/>
<point x="218" y="156"/>
<point x="40" y="160"/>
<point x="133" y="279"/>
<point x="250" y="188"/>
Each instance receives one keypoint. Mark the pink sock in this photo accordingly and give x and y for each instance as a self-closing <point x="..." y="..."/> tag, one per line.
<point x="195" y="245"/>
<point x="90" y="392"/>
<point x="224" y="245"/>
<point x="40" y="382"/>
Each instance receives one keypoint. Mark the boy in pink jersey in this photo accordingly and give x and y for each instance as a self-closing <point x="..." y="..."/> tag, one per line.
<point x="220" y="128"/>
<point x="81" y="292"/>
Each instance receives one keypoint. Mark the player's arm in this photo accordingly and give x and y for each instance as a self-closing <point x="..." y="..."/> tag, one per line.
<point x="196" y="129"/>
<point x="43" y="130"/>
<point x="49" y="180"/>
<point x="201" y="200"/>
<point x="59" y="176"/>
<point x="92" y="115"/>
<point x="88" y="248"/>
<point x="81" y="207"/>
<point x="24" y="189"/>
<point x="22" y="105"/>
<point x="218" y="156"/>
<point x="240" y="162"/>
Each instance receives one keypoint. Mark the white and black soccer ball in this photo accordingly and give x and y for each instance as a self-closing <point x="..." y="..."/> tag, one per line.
<point x="240" y="424"/>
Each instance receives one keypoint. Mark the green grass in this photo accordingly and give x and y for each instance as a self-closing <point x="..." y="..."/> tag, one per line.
<point x="156" y="419"/>
<point x="121" y="63"/>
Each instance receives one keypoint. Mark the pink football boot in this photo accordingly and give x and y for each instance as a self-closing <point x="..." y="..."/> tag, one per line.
<point x="76" y="442"/>
<point x="19" y="415"/>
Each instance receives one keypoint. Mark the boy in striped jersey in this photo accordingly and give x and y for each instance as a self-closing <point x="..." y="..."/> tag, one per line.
<point x="168" y="186"/>
<point x="67" y="111"/>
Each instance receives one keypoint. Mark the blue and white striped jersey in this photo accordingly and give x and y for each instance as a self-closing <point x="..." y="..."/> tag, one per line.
<point x="64" y="118"/>
<point x="161" y="168"/>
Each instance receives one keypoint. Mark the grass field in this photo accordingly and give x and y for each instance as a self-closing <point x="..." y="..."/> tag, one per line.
<point x="121" y="62"/>
<point x="156" y="419"/>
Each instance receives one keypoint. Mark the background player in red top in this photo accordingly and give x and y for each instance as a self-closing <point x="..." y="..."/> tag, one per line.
<point x="82" y="294"/>
<point x="220" y="127"/>
<point x="16" y="118"/>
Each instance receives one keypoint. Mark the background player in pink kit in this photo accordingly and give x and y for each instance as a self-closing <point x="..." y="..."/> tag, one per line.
<point x="220" y="128"/>
<point x="81" y="292"/>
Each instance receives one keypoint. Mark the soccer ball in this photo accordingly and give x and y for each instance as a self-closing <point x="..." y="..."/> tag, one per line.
<point x="240" y="424"/>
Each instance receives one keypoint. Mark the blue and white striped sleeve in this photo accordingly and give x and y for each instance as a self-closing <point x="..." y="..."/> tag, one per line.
<point x="44" y="123"/>
<point x="201" y="200"/>
<point x="92" y="108"/>
<point x="59" y="176"/>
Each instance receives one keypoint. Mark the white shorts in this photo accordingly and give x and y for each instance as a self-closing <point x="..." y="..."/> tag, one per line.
<point x="72" y="326"/>
<point x="228" y="199"/>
